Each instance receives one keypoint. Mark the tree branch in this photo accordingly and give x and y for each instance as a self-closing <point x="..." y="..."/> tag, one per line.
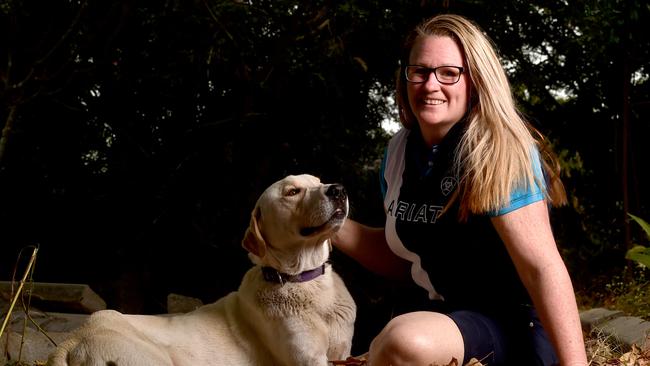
<point x="6" y="130"/>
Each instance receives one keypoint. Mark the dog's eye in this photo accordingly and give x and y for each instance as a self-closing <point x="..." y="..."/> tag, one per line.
<point x="293" y="191"/>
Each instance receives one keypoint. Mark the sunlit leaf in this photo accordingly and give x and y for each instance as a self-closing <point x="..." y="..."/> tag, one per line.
<point x="640" y="254"/>
<point x="644" y="225"/>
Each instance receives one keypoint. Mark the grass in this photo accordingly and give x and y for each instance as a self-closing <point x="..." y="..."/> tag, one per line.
<point x="627" y="291"/>
<point x="604" y="351"/>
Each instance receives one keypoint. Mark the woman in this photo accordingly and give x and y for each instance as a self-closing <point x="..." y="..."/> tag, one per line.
<point x="467" y="183"/>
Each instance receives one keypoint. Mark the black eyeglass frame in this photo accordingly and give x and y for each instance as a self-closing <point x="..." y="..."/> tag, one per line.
<point x="433" y="71"/>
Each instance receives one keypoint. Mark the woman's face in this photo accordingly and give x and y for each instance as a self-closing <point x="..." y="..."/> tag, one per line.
<point x="436" y="106"/>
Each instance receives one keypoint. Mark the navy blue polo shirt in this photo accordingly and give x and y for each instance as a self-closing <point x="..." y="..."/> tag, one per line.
<point x="463" y="262"/>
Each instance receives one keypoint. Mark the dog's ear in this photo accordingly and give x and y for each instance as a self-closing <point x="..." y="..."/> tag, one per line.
<point x="253" y="240"/>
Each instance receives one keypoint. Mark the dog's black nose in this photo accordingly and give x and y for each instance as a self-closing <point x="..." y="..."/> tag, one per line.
<point x="336" y="191"/>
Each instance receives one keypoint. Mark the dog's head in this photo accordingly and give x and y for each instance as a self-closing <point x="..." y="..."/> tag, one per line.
<point x="292" y="223"/>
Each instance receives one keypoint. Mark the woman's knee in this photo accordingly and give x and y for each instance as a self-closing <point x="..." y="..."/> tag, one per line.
<point x="417" y="338"/>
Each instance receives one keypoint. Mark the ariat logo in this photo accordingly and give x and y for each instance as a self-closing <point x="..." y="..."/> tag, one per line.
<point x="447" y="185"/>
<point x="413" y="212"/>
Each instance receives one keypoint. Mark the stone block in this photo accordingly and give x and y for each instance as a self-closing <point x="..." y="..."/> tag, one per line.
<point x="592" y="318"/>
<point x="49" y="322"/>
<point x="35" y="345"/>
<point x="182" y="304"/>
<point x="628" y="330"/>
<point x="63" y="297"/>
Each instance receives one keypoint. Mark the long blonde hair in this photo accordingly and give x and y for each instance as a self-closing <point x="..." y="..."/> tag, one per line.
<point x="494" y="154"/>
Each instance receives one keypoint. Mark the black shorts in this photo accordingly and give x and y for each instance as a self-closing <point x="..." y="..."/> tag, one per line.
<point x="516" y="338"/>
<point x="501" y="336"/>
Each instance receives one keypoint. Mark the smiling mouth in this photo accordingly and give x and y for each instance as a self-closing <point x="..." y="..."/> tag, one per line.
<point x="433" y="101"/>
<point x="336" y="218"/>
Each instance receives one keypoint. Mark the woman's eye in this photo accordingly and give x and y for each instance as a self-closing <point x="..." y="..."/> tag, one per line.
<point x="293" y="191"/>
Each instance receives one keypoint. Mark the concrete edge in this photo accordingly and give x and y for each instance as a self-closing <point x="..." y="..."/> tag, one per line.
<point x="626" y="330"/>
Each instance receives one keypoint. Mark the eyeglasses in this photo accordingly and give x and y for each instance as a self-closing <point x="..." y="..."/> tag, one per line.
<point x="446" y="75"/>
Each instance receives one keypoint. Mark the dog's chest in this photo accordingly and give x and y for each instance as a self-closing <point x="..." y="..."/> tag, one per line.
<point x="291" y="299"/>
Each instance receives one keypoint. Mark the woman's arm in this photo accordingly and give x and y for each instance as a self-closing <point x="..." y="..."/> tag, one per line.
<point x="528" y="237"/>
<point x="368" y="246"/>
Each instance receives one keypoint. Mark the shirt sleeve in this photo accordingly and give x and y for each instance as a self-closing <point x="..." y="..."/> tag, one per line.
<point x="526" y="194"/>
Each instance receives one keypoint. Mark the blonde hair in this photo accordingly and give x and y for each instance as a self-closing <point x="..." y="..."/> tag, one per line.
<point x="494" y="155"/>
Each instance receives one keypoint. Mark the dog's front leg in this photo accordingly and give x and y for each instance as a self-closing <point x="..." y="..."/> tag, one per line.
<point x="305" y="345"/>
<point x="341" y="319"/>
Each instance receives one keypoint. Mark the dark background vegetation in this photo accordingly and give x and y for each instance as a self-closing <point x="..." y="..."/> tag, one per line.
<point x="137" y="135"/>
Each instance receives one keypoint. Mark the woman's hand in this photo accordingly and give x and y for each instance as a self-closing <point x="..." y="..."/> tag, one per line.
<point x="368" y="246"/>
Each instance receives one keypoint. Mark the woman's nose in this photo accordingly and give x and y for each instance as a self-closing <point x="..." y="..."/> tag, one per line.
<point x="431" y="82"/>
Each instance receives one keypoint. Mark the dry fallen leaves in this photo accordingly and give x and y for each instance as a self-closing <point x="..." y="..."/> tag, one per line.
<point x="636" y="357"/>
<point x="474" y="362"/>
<point x="351" y="361"/>
<point x="603" y="350"/>
<point x="471" y="362"/>
<point x="360" y="361"/>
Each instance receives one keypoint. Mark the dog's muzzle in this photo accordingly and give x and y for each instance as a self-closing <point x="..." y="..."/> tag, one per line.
<point x="337" y="197"/>
<point x="336" y="192"/>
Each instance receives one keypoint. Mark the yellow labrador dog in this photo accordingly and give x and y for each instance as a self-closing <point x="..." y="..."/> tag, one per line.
<point x="291" y="308"/>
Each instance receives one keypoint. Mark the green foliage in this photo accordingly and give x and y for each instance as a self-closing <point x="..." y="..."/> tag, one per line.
<point x="626" y="289"/>
<point x="630" y="294"/>
<point x="644" y="225"/>
<point x="640" y="253"/>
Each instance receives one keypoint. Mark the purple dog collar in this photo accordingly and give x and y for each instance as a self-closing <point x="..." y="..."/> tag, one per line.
<point x="270" y="274"/>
